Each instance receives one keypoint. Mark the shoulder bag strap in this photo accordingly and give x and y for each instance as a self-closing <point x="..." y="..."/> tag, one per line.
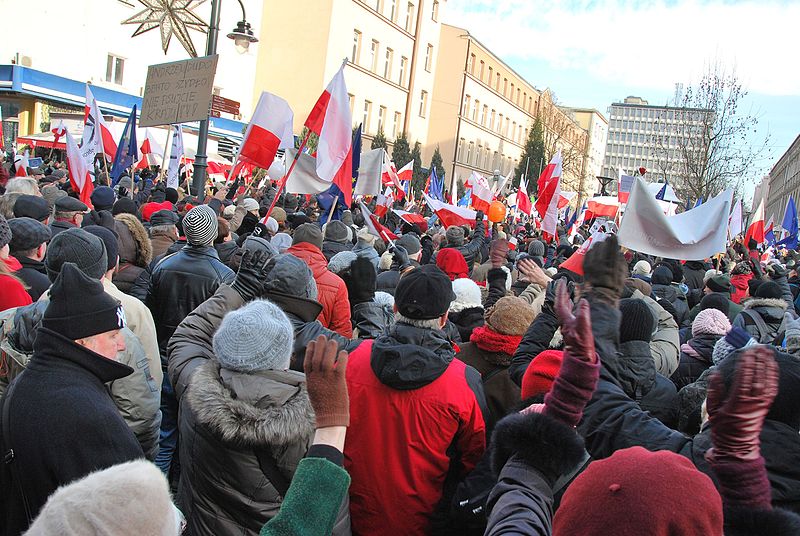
<point x="269" y="466"/>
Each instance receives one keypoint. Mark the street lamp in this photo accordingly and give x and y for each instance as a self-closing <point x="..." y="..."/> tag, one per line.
<point x="242" y="36"/>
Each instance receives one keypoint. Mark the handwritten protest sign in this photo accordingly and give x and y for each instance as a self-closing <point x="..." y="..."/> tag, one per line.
<point x="178" y="92"/>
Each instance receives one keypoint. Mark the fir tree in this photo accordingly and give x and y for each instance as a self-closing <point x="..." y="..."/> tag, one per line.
<point x="379" y="141"/>
<point x="436" y="163"/>
<point x="532" y="156"/>
<point x="401" y="152"/>
<point x="419" y="177"/>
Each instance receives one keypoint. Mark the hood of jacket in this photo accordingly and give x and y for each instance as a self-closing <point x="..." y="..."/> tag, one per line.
<point x="695" y="265"/>
<point x="633" y="368"/>
<point x="52" y="345"/>
<point x="703" y="345"/>
<point x="770" y="309"/>
<point x="740" y="280"/>
<point x="265" y="408"/>
<point x="668" y="292"/>
<point x="312" y="256"/>
<point x="26" y="324"/>
<point x="134" y="244"/>
<point x="408" y="357"/>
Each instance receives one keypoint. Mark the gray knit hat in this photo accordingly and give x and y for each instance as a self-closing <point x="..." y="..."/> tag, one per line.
<point x="292" y="277"/>
<point x="309" y="233"/>
<point x="735" y="339"/>
<point x="255" y="337"/>
<point x="76" y="245"/>
<point x="341" y="261"/>
<point x="5" y="232"/>
<point x="455" y="235"/>
<point x="536" y="248"/>
<point x="200" y="226"/>
<point x="336" y="231"/>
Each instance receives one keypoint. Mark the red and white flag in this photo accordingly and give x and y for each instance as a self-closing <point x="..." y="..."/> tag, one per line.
<point x="406" y="173"/>
<point x="332" y="121"/>
<point x="482" y="195"/>
<point x="565" y="198"/>
<point x="374" y="226"/>
<point x="523" y="200"/>
<point x="92" y="114"/>
<point x="79" y="173"/>
<point x="575" y="262"/>
<point x="549" y="195"/>
<point x="58" y="131"/>
<point x="21" y="164"/>
<point x="389" y="175"/>
<point x="384" y="202"/>
<point x="756" y="228"/>
<point x="601" y="207"/>
<point x="150" y="150"/>
<point x="451" y="214"/>
<point x="270" y="129"/>
<point x="412" y="218"/>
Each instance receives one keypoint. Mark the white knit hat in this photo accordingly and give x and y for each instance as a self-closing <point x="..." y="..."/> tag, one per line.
<point x="642" y="268"/>
<point x="468" y="295"/>
<point x="256" y="337"/>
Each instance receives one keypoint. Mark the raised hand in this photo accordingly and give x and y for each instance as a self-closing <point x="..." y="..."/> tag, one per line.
<point x="325" y="369"/>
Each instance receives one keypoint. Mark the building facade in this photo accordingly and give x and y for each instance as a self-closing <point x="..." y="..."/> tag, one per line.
<point x="783" y="181"/>
<point x="596" y="125"/>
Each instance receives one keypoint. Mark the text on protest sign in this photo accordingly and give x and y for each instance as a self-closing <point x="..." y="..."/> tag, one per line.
<point x="178" y="92"/>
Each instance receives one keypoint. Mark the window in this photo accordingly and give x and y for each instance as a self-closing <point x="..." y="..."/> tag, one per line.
<point x="475" y="110"/>
<point x="381" y="118"/>
<point x="435" y="11"/>
<point x="508" y="125"/>
<point x="489" y="79"/>
<point x="484" y="112"/>
<point x="514" y="130"/>
<point x="500" y="124"/>
<point x="403" y="65"/>
<point x="393" y="10"/>
<point x="410" y="18"/>
<point x="354" y="57"/>
<point x="428" y="57"/>
<point x="512" y="91"/>
<point x="373" y="55"/>
<point x="397" y="124"/>
<point x="465" y="109"/>
<point x="387" y="66"/>
<point x="379" y="5"/>
<point x="479" y="155"/>
<point x="471" y="64"/>
<point x="505" y="87"/>
<point x="497" y="82"/>
<point x="367" y="113"/>
<point x="115" y="66"/>
<point x="423" y="103"/>
<point x="491" y="121"/>
<point x="470" y="152"/>
<point x="352" y="102"/>
<point x="480" y="71"/>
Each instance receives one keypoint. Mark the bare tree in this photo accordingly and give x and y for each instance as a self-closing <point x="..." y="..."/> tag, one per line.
<point x="705" y="142"/>
<point x="561" y="132"/>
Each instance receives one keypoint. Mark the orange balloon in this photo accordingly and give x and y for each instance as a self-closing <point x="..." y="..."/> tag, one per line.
<point x="497" y="212"/>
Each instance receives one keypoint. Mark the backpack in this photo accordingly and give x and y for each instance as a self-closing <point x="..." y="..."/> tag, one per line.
<point x="765" y="334"/>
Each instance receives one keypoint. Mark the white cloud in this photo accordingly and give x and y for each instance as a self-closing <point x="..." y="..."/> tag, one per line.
<point x="651" y="44"/>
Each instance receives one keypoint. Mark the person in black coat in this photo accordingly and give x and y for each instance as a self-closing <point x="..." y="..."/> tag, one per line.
<point x="29" y="245"/>
<point x="664" y="289"/>
<point x="696" y="354"/>
<point x="59" y="422"/>
<point x="693" y="273"/>
<point x="369" y="317"/>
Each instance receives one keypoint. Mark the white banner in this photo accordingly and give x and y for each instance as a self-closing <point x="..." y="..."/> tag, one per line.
<point x="175" y="157"/>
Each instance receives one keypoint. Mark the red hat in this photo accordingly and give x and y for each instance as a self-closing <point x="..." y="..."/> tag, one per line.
<point x="451" y="262"/>
<point x="541" y="373"/>
<point x="636" y="492"/>
<point x="148" y="209"/>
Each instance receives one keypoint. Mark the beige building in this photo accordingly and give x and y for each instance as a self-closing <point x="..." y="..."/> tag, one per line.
<point x="596" y="125"/>
<point x="784" y="180"/>
<point x="390" y="46"/>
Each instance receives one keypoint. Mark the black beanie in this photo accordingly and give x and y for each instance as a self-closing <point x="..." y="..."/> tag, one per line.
<point x="171" y="195"/>
<point x="719" y="283"/>
<point x="424" y="293"/>
<point x="124" y="205"/>
<point x="637" y="322"/>
<point x="662" y="275"/>
<point x="79" y="307"/>
<point x="753" y="284"/>
<point x="79" y="247"/>
<point x="110" y="241"/>
<point x="768" y="289"/>
<point x="716" y="301"/>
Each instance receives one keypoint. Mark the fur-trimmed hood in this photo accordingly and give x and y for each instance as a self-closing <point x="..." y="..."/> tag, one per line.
<point x="776" y="303"/>
<point x="134" y="243"/>
<point x="264" y="408"/>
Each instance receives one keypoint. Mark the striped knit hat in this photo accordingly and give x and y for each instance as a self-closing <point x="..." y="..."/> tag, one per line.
<point x="200" y="226"/>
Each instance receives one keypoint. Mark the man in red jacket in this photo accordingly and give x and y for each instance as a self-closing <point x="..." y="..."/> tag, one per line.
<point x="416" y="413"/>
<point x="331" y="290"/>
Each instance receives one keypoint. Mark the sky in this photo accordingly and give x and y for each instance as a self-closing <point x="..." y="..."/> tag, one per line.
<point x="591" y="53"/>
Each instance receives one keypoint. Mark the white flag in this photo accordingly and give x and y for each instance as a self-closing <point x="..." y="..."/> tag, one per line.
<point x="175" y="156"/>
<point x="692" y="235"/>
<point x="369" y="173"/>
<point x="304" y="178"/>
<point x="735" y="221"/>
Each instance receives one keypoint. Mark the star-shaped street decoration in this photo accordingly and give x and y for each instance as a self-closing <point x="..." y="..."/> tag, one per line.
<point x="171" y="17"/>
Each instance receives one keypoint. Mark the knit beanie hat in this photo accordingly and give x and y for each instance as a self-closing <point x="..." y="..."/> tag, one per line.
<point x="77" y="246"/>
<point x="200" y="226"/>
<point x="365" y="237"/>
<point x="279" y="214"/>
<point x="541" y="373"/>
<point x="735" y="339"/>
<point x="103" y="198"/>
<point x="341" y="261"/>
<point x="509" y="315"/>
<point x="662" y="275"/>
<point x="642" y="268"/>
<point x="455" y="236"/>
<point x="336" y="231"/>
<point x="710" y="322"/>
<point x="410" y="242"/>
<point x="753" y="284"/>
<point x="468" y="295"/>
<point x="638" y="322"/>
<point x="719" y="283"/>
<point x="424" y="293"/>
<point x="281" y="241"/>
<point x="452" y="263"/>
<point x="110" y="241"/>
<point x="148" y="209"/>
<point x="124" y="206"/>
<point x="626" y="493"/>
<point x="255" y="337"/>
<point x="271" y="225"/>
<point x="768" y="290"/>
<point x="709" y="274"/>
<point x="792" y="333"/>
<point x="5" y="232"/>
<point x="309" y="233"/>
<point x="292" y="277"/>
<point x="127" y="500"/>
<point x="79" y="306"/>
<point x="171" y="195"/>
<point x="536" y="248"/>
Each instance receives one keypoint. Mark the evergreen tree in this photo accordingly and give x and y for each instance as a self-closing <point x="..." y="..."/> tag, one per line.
<point x="533" y="156"/>
<point x="312" y="142"/>
<point x="401" y="152"/>
<point x="379" y="141"/>
<point x="460" y="190"/>
<point x="419" y="177"/>
<point x="436" y="162"/>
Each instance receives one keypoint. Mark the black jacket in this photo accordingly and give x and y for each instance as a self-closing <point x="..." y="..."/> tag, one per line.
<point x="696" y="360"/>
<point x="331" y="248"/>
<point x="676" y="299"/>
<point x="63" y="424"/>
<point x="34" y="275"/>
<point x="370" y="319"/>
<point x="226" y="251"/>
<point x="58" y="226"/>
<point x="466" y="320"/>
<point x="181" y="282"/>
<point x="693" y="272"/>
<point x="535" y="341"/>
<point x="388" y="279"/>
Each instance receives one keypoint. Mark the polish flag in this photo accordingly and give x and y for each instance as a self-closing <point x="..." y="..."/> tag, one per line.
<point x="481" y="192"/>
<point x="601" y="207"/>
<point x="406" y="172"/>
<point x="374" y="226"/>
<point x="332" y="122"/>
<point x="151" y="152"/>
<point x="21" y="163"/>
<point x="451" y="214"/>
<point x="523" y="201"/>
<point x="565" y="198"/>
<point x="385" y="201"/>
<point x="756" y="229"/>
<point x="549" y="196"/>
<point x="91" y="110"/>
<point x="389" y="175"/>
<point x="412" y="218"/>
<point x="58" y="131"/>
<point x="270" y="129"/>
<point x="575" y="262"/>
<point x="79" y="172"/>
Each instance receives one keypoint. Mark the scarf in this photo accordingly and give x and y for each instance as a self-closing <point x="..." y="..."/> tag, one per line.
<point x="490" y="341"/>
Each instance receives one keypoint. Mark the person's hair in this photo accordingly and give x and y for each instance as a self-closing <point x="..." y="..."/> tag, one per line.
<point x="162" y="229"/>
<point x="7" y="202"/>
<point x="66" y="215"/>
<point x="432" y="323"/>
<point x="22" y="185"/>
<point x="223" y="230"/>
<point x="5" y="270"/>
<point x="25" y="253"/>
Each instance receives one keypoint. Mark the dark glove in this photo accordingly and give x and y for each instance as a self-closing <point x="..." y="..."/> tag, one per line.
<point x="498" y="252"/>
<point x="400" y="256"/>
<point x="605" y="270"/>
<point x="233" y="189"/>
<point x="777" y="271"/>
<point x="252" y="275"/>
<point x="325" y="382"/>
<point x="122" y="192"/>
<point x="479" y="216"/>
<point x="737" y="414"/>
<point x="260" y="231"/>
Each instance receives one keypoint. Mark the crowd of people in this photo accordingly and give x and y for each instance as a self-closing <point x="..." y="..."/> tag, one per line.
<point x="174" y="364"/>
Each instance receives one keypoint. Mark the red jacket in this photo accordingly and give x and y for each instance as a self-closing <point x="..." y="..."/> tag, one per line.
<point x="739" y="284"/>
<point x="331" y="290"/>
<point x="401" y="441"/>
<point x="12" y="293"/>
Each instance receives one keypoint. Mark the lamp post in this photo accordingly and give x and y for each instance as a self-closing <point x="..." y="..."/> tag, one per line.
<point x="242" y="36"/>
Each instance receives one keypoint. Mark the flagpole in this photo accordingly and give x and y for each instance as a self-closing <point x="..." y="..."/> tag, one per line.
<point x="164" y="155"/>
<point x="333" y="208"/>
<point x="282" y="183"/>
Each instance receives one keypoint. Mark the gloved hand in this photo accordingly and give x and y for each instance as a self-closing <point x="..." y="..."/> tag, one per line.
<point x="400" y="256"/>
<point x="497" y="253"/>
<point x="776" y="271"/>
<point x="737" y="414"/>
<point x="325" y="382"/>
<point x="260" y="230"/>
<point x="577" y="340"/>
<point x="479" y="216"/>
<point x="605" y="270"/>
<point x="252" y="275"/>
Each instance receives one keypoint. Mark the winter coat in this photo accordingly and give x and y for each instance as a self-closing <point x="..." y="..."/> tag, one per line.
<point x="693" y="273"/>
<point x="160" y="243"/>
<point x="733" y="309"/>
<point x="178" y="284"/>
<point x="34" y="275"/>
<point x="331" y="290"/>
<point x="665" y="343"/>
<point x="226" y="252"/>
<point x="472" y="249"/>
<point x="331" y="248"/>
<point x="414" y="405"/>
<point x="695" y="359"/>
<point x="466" y="320"/>
<point x="62" y="424"/>
<point x="370" y="319"/>
<point x="502" y="394"/>
<point x="535" y="341"/>
<point x="678" y="301"/>
<point x="770" y="310"/>
<point x="387" y="280"/>
<point x="362" y="249"/>
<point x="12" y="293"/>
<point x="228" y="421"/>
<point x="57" y="226"/>
<point x="135" y="251"/>
<point x="740" y="287"/>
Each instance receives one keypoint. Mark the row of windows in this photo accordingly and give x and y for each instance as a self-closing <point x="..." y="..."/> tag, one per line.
<point x="482" y="157"/>
<point x="492" y="120"/>
<point x="391" y="9"/>
<point x="383" y="65"/>
<point x="381" y="125"/>
<point x="492" y="78"/>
